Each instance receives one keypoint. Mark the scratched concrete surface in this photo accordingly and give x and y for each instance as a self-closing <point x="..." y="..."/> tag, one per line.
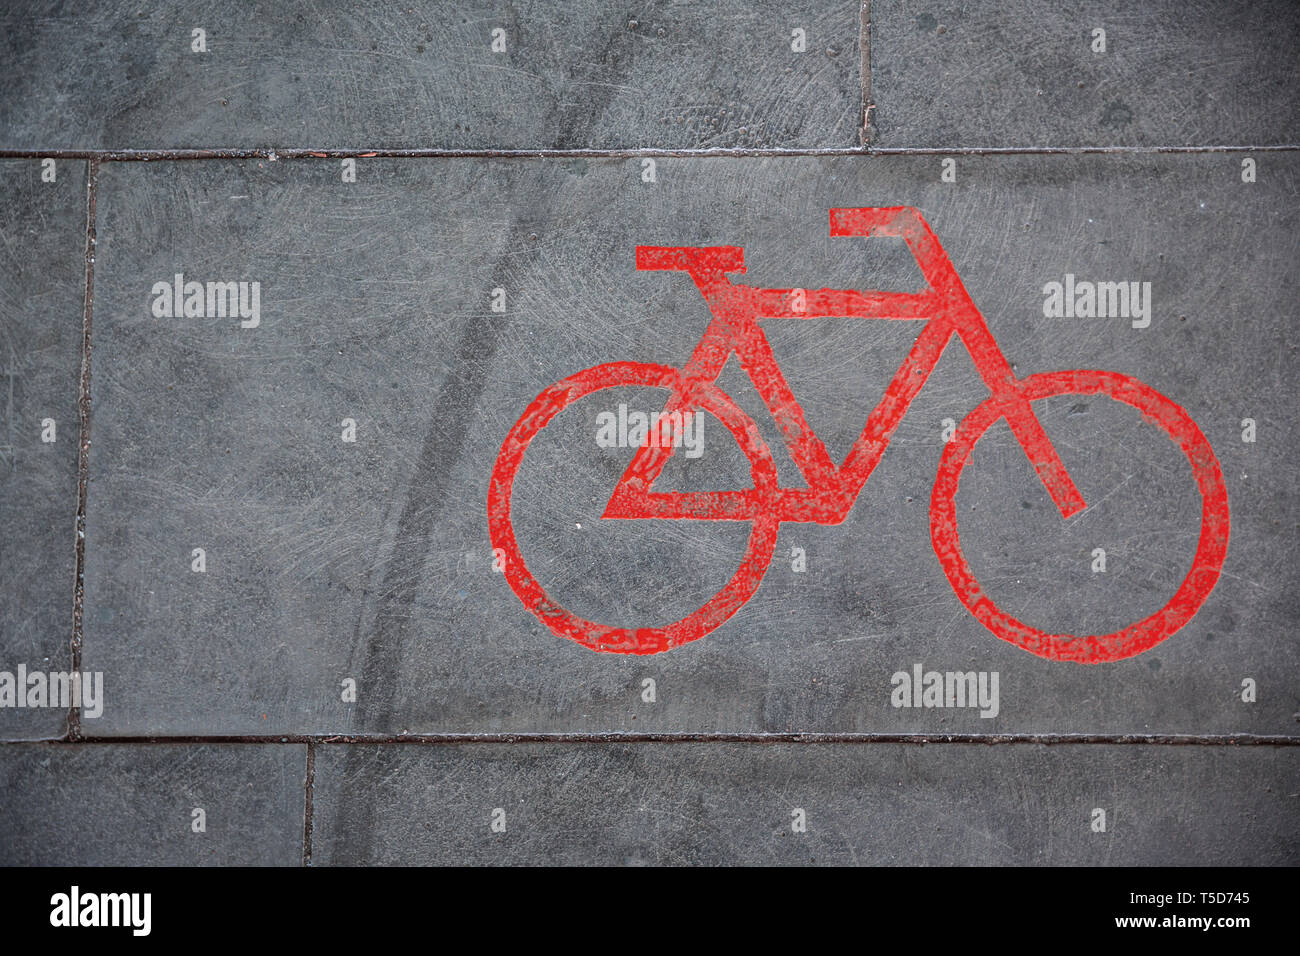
<point x="399" y="74"/>
<point x="42" y="285"/>
<point x="685" y="804"/>
<point x="134" y="804"/>
<point x="1025" y="74"/>
<point x="329" y="560"/>
<point x="329" y="563"/>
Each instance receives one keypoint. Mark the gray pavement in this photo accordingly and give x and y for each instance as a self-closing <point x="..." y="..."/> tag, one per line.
<point x="690" y="804"/>
<point x="328" y="560"/>
<point x="1026" y="74"/>
<point x="152" y="804"/>
<point x="286" y="473"/>
<point x="476" y="75"/>
<point x="42" y="292"/>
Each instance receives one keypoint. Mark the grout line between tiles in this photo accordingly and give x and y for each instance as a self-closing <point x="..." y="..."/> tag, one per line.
<point x="309" y="790"/>
<point x="864" y="43"/>
<point x="296" y="152"/>
<point x="83" y="453"/>
<point x="315" y="740"/>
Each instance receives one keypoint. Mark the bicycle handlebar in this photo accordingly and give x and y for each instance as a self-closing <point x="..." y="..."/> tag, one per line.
<point x="898" y="221"/>
<point x="875" y="221"/>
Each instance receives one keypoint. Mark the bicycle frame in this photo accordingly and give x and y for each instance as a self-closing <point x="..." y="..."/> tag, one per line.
<point x="737" y="310"/>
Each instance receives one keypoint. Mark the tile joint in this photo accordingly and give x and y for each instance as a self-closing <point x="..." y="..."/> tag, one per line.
<point x="83" y="453"/>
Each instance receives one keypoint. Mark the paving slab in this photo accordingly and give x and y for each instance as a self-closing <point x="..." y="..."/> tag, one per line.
<point x="743" y="804"/>
<point x="253" y="569"/>
<point x="151" y="804"/>
<point x="1024" y="74"/>
<point x="484" y="74"/>
<point x="42" y="283"/>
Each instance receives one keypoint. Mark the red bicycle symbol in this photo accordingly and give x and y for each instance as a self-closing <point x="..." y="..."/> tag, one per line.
<point x="831" y="491"/>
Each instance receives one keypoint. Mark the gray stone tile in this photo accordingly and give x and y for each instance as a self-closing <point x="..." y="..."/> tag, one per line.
<point x="371" y="561"/>
<point x="1206" y="73"/>
<point x="683" y="804"/>
<point x="134" y="804"/>
<point x="574" y="73"/>
<point x="42" y="283"/>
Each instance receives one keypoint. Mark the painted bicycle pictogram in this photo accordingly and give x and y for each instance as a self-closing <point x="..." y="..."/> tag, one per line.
<point x="830" y="492"/>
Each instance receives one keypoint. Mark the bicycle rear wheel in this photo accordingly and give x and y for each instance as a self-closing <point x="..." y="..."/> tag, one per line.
<point x="1127" y="642"/>
<point x="625" y="640"/>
